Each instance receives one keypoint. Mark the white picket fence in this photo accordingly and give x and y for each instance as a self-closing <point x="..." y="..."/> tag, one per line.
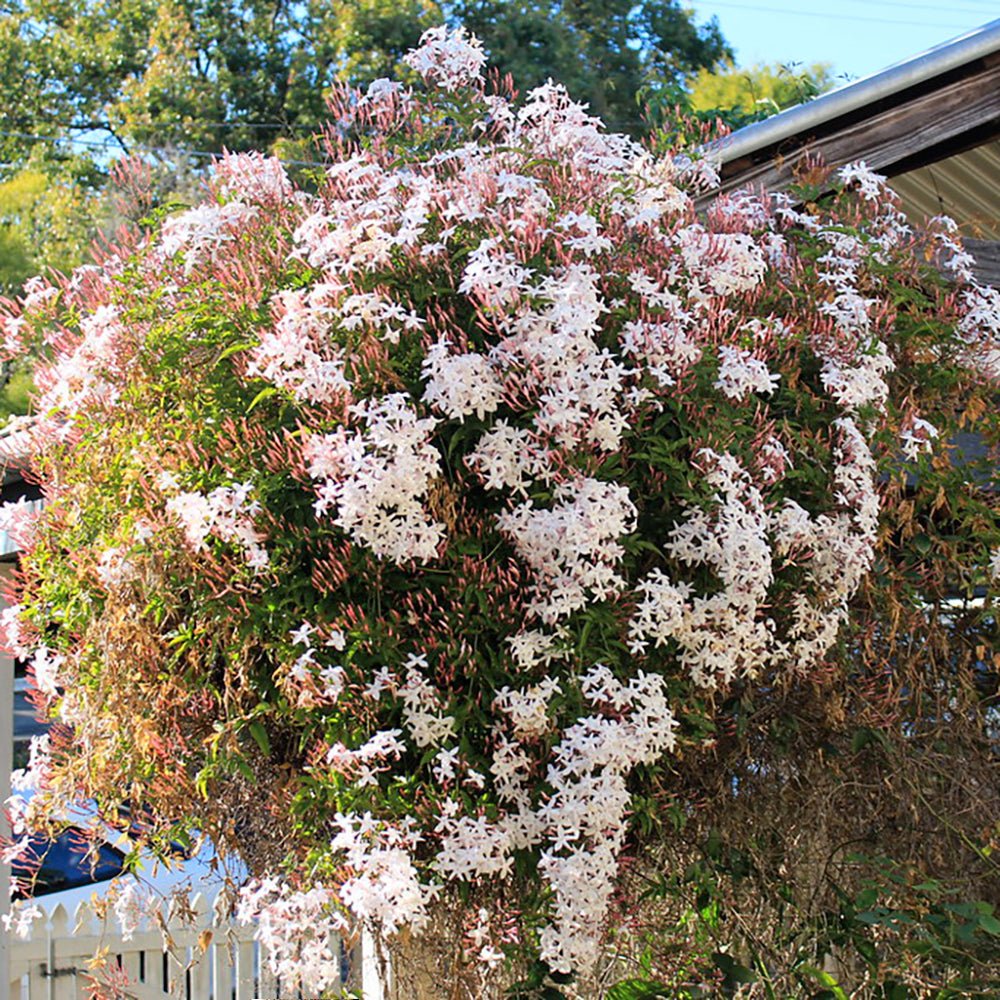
<point x="205" y="961"/>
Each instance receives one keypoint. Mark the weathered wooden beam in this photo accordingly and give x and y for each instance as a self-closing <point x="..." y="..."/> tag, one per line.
<point x="914" y="132"/>
<point x="987" y="254"/>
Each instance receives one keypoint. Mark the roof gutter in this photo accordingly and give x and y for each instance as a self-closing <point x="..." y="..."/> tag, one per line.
<point x="941" y="59"/>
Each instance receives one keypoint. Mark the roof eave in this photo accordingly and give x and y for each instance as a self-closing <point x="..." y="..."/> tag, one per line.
<point x="950" y="55"/>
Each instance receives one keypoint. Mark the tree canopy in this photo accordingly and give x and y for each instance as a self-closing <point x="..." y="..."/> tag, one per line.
<point x="232" y="74"/>
<point x="178" y="81"/>
<point x="607" y="54"/>
<point x="762" y="89"/>
<point x="239" y="74"/>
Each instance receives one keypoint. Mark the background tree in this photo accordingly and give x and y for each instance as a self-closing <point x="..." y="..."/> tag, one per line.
<point x="230" y="74"/>
<point x="605" y="53"/>
<point x="239" y="73"/>
<point x="177" y="81"/>
<point x="50" y="211"/>
<point x="762" y="89"/>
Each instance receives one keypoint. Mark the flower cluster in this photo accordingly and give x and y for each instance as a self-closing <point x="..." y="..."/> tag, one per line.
<point x="573" y="547"/>
<point x="740" y="373"/>
<point x="252" y="178"/>
<point x="584" y="820"/>
<point x="386" y="888"/>
<point x="723" y="635"/>
<point x="227" y="512"/>
<point x="131" y="904"/>
<point x="918" y="438"/>
<point x="450" y="58"/>
<point x="296" y="928"/>
<point x="198" y="233"/>
<point x="377" y="479"/>
<point x="297" y="354"/>
<point x="459" y="385"/>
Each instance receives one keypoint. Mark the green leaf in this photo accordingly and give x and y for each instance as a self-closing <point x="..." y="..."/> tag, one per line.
<point x="733" y="970"/>
<point x="243" y="767"/>
<point x="639" y="989"/>
<point x="866" y="898"/>
<point x="264" y="393"/>
<point x="862" y="737"/>
<point x="867" y="951"/>
<point x="824" y="978"/>
<point x="236" y="348"/>
<point x="259" y="733"/>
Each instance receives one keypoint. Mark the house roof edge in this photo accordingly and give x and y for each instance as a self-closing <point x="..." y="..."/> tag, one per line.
<point x="940" y="59"/>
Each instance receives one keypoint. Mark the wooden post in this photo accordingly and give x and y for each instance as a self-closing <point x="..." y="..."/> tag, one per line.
<point x="268" y="987"/>
<point x="201" y="950"/>
<point x="337" y="948"/>
<point x="245" y="986"/>
<point x="130" y="964"/>
<point x="371" y="977"/>
<point x="222" y="970"/>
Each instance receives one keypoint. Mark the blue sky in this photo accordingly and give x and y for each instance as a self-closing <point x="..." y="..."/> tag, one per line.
<point x="858" y="37"/>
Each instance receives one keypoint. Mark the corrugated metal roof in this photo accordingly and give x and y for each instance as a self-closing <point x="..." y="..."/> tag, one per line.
<point x="965" y="186"/>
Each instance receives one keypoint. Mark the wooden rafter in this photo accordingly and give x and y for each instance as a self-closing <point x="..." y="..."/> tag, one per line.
<point x="987" y="254"/>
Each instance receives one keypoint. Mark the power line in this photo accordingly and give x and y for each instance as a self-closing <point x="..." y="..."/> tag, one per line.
<point x="708" y="5"/>
<point x="160" y="151"/>
<point x="288" y="126"/>
<point x="935" y="7"/>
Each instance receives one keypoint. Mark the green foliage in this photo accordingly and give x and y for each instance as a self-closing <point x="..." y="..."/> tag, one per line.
<point x="897" y="928"/>
<point x="640" y="989"/>
<point x="15" y="394"/>
<point x="899" y="910"/>
<point x="760" y="90"/>
<point x="49" y="212"/>
<point x="541" y="983"/>
<point x="184" y="80"/>
<point x="686" y="114"/>
<point x="235" y="74"/>
<point x="241" y="74"/>
<point x="612" y="54"/>
<point x="844" y="748"/>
